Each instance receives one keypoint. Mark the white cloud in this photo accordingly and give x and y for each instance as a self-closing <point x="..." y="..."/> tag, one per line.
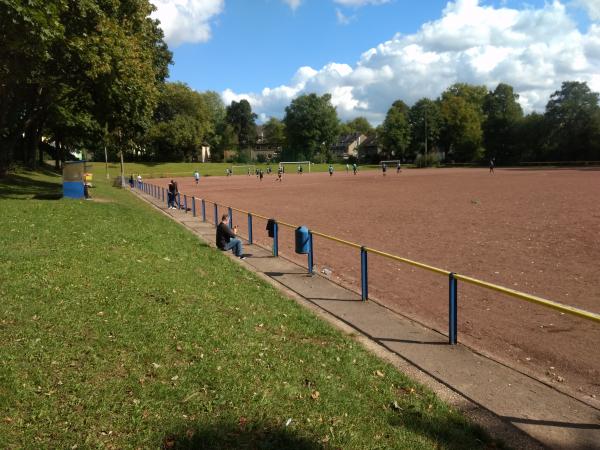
<point x="592" y="8"/>
<point x="359" y="3"/>
<point x="342" y="18"/>
<point x="294" y="4"/>
<point x="186" y="20"/>
<point x="534" y="50"/>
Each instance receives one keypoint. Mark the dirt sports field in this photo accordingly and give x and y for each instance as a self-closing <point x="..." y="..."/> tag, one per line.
<point x="537" y="231"/>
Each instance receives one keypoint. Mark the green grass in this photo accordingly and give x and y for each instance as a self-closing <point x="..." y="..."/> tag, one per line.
<point x="161" y="170"/>
<point x="120" y="329"/>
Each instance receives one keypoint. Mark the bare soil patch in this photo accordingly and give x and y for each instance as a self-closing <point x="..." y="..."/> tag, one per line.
<point x="531" y="230"/>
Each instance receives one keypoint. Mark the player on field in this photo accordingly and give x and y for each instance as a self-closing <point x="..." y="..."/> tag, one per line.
<point x="384" y="168"/>
<point x="330" y="170"/>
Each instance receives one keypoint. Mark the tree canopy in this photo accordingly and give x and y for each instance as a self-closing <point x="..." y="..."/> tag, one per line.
<point x="395" y="131"/>
<point x="77" y="71"/>
<point x="242" y="120"/>
<point x="311" y="125"/>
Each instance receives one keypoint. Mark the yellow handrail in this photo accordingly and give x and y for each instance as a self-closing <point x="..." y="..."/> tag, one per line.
<point x="531" y="298"/>
<point x="517" y="294"/>
<point x="408" y="261"/>
<point x="331" y="238"/>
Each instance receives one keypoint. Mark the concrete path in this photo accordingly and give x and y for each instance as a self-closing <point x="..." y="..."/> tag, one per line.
<point x="524" y="412"/>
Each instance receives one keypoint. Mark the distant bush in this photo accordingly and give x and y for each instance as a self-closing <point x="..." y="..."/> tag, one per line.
<point x="431" y="159"/>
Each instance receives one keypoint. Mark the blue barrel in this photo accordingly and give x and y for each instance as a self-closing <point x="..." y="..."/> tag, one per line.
<point x="302" y="243"/>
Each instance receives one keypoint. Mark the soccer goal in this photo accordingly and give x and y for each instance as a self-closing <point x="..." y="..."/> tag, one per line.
<point x="391" y="163"/>
<point x="294" y="165"/>
<point x="243" y="169"/>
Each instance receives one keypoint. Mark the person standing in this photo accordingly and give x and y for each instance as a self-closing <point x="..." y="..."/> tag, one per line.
<point x="330" y="170"/>
<point x="171" y="195"/>
<point x="354" y="168"/>
<point x="398" y="168"/>
<point x="492" y="165"/>
<point x="260" y="174"/>
<point x="279" y="173"/>
<point x="227" y="238"/>
<point x="197" y="176"/>
<point x="384" y="168"/>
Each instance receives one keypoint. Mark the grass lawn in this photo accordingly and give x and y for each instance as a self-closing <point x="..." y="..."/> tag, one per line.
<point x="120" y="329"/>
<point x="160" y="170"/>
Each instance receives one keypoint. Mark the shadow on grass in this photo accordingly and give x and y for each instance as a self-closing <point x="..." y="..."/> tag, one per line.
<point x="450" y="432"/>
<point x="241" y="435"/>
<point x="23" y="186"/>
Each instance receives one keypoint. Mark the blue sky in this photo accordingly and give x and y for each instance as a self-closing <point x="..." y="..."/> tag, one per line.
<point x="240" y="47"/>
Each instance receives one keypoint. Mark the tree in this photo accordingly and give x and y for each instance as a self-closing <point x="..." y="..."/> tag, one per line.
<point x="503" y="115"/>
<point x="78" y="66"/>
<point x="396" y="132"/>
<point x="274" y="131"/>
<point x="182" y="120"/>
<point x="216" y="113"/>
<point x="572" y="114"/>
<point x="426" y="122"/>
<point x="311" y="125"/>
<point x="358" y="125"/>
<point x="243" y="121"/>
<point x="461" y="107"/>
<point x="532" y="138"/>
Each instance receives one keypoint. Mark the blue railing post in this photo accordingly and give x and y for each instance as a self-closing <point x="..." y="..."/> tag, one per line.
<point x="185" y="203"/>
<point x="178" y="200"/>
<point x="250" y="229"/>
<point x="193" y="206"/>
<point x="452" y="310"/>
<point x="163" y="194"/>
<point x="310" y="253"/>
<point x="364" y="274"/>
<point x="216" y="214"/>
<point x="275" y="239"/>
<point x="230" y="213"/>
<point x="203" y="210"/>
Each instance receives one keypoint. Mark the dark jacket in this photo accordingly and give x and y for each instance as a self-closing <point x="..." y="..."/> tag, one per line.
<point x="224" y="235"/>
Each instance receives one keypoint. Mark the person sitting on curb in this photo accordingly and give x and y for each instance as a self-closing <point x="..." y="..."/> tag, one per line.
<point x="227" y="239"/>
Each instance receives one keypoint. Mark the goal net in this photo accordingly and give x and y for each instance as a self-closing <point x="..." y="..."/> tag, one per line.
<point x="292" y="166"/>
<point x="243" y="170"/>
<point x="391" y="163"/>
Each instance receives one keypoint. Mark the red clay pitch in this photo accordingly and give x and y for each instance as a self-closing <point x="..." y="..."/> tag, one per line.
<point x="536" y="231"/>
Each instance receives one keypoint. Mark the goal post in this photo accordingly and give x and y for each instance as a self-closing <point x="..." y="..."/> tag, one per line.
<point x="243" y="169"/>
<point x="390" y="162"/>
<point x="295" y="164"/>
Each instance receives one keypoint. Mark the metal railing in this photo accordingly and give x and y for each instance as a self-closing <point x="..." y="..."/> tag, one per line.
<point x="453" y="278"/>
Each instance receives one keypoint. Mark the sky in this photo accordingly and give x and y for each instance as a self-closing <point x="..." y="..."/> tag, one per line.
<point x="369" y="53"/>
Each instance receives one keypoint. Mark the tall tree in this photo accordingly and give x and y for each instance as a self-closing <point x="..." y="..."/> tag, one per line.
<point x="311" y="125"/>
<point x="396" y="132"/>
<point x="503" y="115"/>
<point x="67" y="62"/>
<point x="182" y="121"/>
<point x="243" y="121"/>
<point x="426" y="122"/>
<point x="461" y="107"/>
<point x="359" y="125"/>
<point x="274" y="131"/>
<point x="572" y="114"/>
